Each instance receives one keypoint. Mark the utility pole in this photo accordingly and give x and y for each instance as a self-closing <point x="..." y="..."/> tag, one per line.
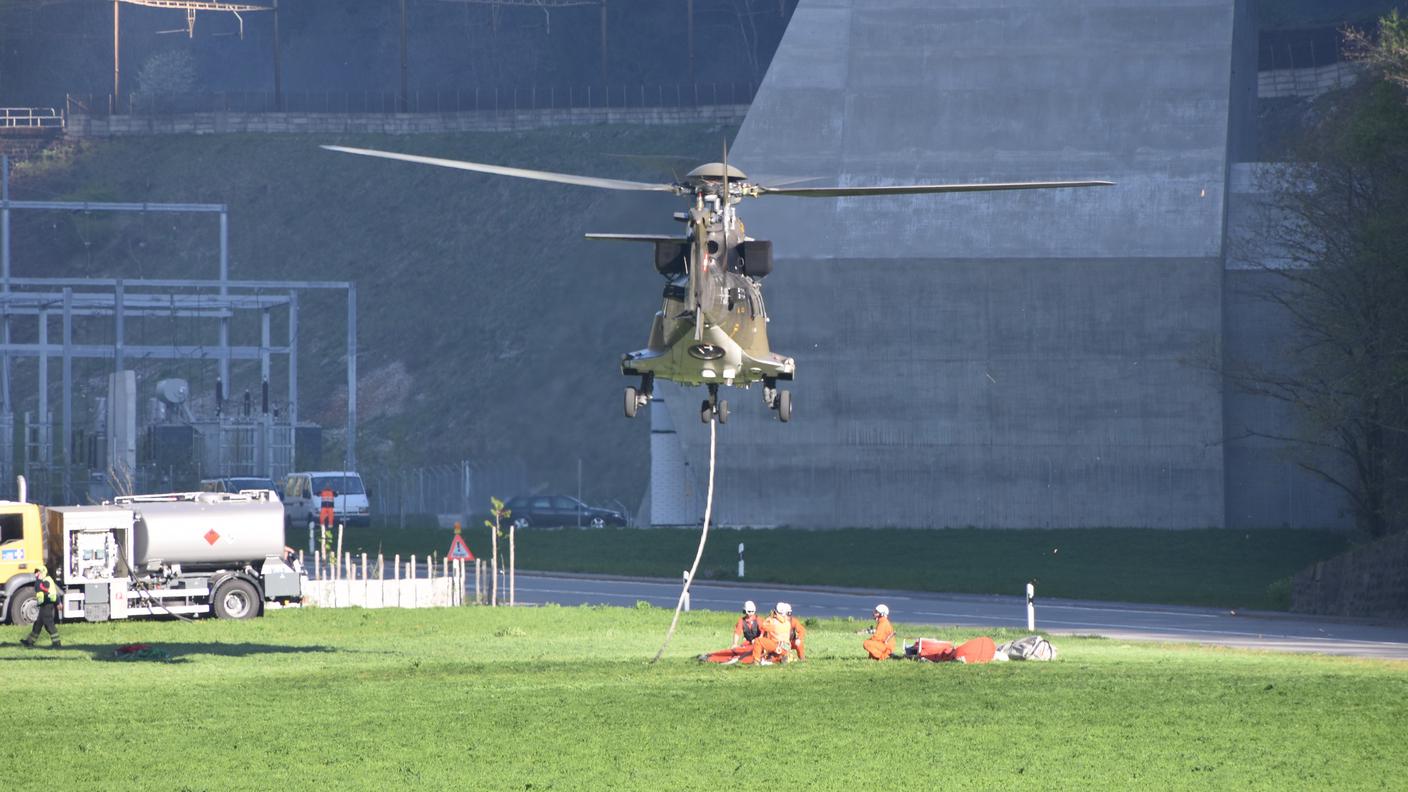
<point x="603" y="46"/>
<point x="403" y="103"/>
<point x="278" y="68"/>
<point x="116" y="61"/>
<point x="689" y="27"/>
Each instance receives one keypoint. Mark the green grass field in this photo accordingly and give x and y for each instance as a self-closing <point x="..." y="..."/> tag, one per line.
<point x="1203" y="567"/>
<point x="562" y="698"/>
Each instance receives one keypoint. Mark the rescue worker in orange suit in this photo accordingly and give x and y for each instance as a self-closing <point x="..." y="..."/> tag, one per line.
<point x="881" y="644"/>
<point x="774" y="645"/>
<point x="46" y="591"/>
<point x="747" y="628"/>
<point x="326" y="516"/>
<point x="798" y="635"/>
<point x="745" y="631"/>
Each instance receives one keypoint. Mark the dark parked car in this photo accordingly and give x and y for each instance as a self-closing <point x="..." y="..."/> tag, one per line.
<point x="560" y="510"/>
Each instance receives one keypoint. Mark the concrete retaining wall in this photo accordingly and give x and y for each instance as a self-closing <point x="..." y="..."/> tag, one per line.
<point x="1367" y="581"/>
<point x="81" y="125"/>
<point x="989" y="359"/>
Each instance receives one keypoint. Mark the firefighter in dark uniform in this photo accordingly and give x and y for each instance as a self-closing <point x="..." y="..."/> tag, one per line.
<point x="47" y="593"/>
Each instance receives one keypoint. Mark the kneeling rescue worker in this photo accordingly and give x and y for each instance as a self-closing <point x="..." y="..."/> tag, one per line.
<point x="747" y="629"/>
<point x="881" y="644"/>
<point x="774" y="645"/>
<point x="47" y="594"/>
<point x="798" y="636"/>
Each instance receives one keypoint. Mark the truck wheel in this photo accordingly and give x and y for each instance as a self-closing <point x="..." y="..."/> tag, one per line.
<point x="235" y="599"/>
<point x="24" y="608"/>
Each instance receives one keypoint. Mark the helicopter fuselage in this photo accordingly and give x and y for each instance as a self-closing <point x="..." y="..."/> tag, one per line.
<point x="711" y="328"/>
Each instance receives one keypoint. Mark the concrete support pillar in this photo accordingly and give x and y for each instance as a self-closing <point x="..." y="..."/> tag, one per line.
<point x="68" y="395"/>
<point x="351" y="377"/>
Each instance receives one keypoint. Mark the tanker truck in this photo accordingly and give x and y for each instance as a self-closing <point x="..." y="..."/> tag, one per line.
<point x="179" y="554"/>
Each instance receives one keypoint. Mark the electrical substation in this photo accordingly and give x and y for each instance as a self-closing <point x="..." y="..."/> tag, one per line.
<point x="116" y="423"/>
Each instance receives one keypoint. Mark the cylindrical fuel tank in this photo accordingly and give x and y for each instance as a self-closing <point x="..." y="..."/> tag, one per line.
<point x="200" y="533"/>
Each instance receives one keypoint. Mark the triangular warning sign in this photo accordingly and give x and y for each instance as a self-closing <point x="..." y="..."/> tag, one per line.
<point x="459" y="551"/>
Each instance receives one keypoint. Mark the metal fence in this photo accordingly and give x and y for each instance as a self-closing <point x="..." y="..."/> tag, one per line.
<point x="452" y="100"/>
<point x="457" y="490"/>
<point x="30" y="118"/>
<point x="1299" y="49"/>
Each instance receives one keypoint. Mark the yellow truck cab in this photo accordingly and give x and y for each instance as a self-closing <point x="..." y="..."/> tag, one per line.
<point x="21" y="550"/>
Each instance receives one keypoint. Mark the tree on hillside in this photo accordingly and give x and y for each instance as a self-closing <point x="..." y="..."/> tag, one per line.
<point x="1386" y="53"/>
<point x="169" y="72"/>
<point x="1334" y="232"/>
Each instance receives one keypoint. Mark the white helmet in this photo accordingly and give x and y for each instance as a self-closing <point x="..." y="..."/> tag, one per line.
<point x="784" y="609"/>
<point x="882" y="609"/>
<point x="749" y="607"/>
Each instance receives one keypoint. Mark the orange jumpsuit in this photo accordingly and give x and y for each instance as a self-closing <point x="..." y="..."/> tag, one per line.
<point x="978" y="650"/>
<point x="745" y="630"/>
<point x="774" y="643"/>
<point x="798" y="636"/>
<point x="882" y="644"/>
<point x="326" y="515"/>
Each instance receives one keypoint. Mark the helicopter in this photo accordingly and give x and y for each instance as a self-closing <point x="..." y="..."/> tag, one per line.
<point x="712" y="327"/>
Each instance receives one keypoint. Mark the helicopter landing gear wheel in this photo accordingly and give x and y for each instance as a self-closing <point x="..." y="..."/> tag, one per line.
<point x="783" y="405"/>
<point x="637" y="398"/>
<point x="632" y="402"/>
<point x="713" y="408"/>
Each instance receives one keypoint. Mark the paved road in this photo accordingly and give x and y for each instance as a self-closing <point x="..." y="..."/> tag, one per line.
<point x="1279" y="632"/>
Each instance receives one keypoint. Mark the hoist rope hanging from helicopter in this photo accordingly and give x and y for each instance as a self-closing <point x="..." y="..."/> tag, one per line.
<point x="703" y="537"/>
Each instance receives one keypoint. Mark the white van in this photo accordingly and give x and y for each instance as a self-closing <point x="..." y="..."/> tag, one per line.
<point x="303" y="499"/>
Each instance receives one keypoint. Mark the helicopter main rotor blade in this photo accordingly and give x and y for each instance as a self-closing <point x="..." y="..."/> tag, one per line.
<point x="637" y="237"/>
<point x="916" y="189"/>
<point x="521" y="173"/>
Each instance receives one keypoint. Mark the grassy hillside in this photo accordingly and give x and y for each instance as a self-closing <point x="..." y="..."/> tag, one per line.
<point x="562" y="698"/>
<point x="488" y="328"/>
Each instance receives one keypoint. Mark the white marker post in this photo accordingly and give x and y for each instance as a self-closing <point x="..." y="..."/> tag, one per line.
<point x="310" y="535"/>
<point x="1031" y="607"/>
<point x="740" y="559"/>
<point x="686" y="594"/>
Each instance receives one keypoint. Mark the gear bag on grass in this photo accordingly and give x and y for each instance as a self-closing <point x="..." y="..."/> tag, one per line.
<point x="1032" y="647"/>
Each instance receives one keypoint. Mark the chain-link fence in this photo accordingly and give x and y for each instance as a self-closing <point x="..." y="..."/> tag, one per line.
<point x="444" y="492"/>
<point x="464" y="100"/>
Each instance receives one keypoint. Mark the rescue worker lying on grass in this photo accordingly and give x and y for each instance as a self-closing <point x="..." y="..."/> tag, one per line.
<point x="881" y="644"/>
<point x="978" y="650"/>
<point x="745" y="631"/>
<point x="47" y="594"/>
